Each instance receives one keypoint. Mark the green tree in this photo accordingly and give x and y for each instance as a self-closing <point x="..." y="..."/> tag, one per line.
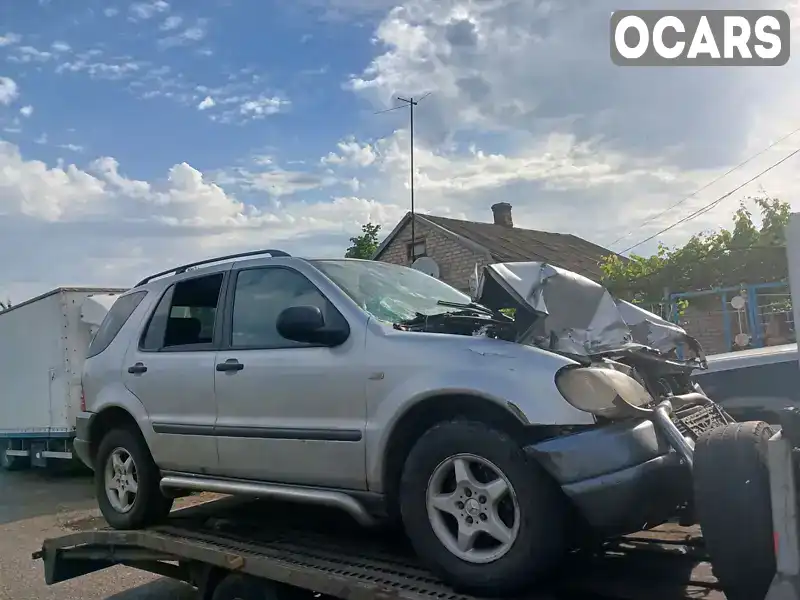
<point x="744" y="254"/>
<point x="364" y="245"/>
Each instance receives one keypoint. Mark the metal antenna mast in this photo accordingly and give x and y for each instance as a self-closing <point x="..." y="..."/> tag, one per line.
<point x="410" y="103"/>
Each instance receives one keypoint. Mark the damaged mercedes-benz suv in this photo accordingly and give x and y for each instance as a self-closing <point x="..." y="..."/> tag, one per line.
<point x="498" y="441"/>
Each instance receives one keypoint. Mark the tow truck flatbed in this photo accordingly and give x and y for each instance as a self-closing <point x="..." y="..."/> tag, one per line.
<point x="327" y="553"/>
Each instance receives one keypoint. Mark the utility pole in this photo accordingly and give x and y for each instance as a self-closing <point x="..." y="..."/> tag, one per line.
<point x="410" y="103"/>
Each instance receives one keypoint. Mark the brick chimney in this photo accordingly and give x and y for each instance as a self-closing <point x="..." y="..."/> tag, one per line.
<point x="502" y="214"/>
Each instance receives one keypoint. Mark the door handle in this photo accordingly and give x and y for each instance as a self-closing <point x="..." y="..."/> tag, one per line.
<point x="230" y="365"/>
<point x="137" y="368"/>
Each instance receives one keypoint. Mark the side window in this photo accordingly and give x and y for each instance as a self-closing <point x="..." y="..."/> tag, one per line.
<point x="185" y="315"/>
<point x="153" y="338"/>
<point x="261" y="295"/>
<point x="117" y="316"/>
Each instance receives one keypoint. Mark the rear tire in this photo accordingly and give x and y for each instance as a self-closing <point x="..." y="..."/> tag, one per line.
<point x="537" y="531"/>
<point x="733" y="506"/>
<point x="13" y="463"/>
<point x="128" y="509"/>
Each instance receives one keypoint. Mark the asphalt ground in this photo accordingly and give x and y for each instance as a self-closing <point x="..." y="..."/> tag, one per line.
<point x="35" y="505"/>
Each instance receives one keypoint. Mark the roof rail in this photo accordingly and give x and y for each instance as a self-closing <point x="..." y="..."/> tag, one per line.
<point x="184" y="268"/>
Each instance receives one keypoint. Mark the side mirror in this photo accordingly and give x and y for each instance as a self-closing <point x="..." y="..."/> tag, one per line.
<point x="307" y="324"/>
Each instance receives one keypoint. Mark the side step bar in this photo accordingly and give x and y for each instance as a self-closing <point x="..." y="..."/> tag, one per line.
<point x="306" y="495"/>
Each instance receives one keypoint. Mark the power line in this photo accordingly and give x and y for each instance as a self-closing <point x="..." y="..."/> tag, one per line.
<point x="410" y="103"/>
<point x="711" y="205"/>
<point x="706" y="186"/>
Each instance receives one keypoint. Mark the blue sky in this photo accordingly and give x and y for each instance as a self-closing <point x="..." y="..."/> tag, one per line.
<point x="138" y="134"/>
<point x="253" y="49"/>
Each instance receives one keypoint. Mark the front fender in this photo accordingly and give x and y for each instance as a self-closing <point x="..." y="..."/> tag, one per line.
<point x="519" y="379"/>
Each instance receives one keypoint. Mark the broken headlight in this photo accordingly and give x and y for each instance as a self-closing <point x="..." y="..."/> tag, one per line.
<point x="602" y="391"/>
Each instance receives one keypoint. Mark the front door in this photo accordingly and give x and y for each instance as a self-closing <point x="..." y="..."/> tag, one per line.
<point x="171" y="371"/>
<point x="288" y="412"/>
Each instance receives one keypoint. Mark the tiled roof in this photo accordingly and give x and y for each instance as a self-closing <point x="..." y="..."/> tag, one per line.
<point x="509" y="244"/>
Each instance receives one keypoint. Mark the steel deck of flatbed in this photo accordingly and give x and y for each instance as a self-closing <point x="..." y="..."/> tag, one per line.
<point x="326" y="552"/>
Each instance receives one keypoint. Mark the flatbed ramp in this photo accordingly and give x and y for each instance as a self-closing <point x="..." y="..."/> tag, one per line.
<point x="326" y="553"/>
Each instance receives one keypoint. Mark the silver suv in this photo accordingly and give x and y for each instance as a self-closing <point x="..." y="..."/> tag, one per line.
<point x="374" y="388"/>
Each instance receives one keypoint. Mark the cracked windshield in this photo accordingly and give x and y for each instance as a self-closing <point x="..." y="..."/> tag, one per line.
<point x="392" y="294"/>
<point x="408" y="299"/>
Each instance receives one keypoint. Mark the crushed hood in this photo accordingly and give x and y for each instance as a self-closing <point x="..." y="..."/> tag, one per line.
<point x="573" y="314"/>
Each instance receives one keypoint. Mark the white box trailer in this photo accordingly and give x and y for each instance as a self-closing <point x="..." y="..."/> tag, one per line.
<point x="43" y="345"/>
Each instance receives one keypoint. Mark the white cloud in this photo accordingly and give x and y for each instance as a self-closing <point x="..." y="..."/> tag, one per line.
<point x="31" y="189"/>
<point x="517" y="80"/>
<point x="9" y="39"/>
<point x="240" y="97"/>
<point x="145" y="226"/>
<point x="26" y="111"/>
<point x="97" y="68"/>
<point x="190" y="35"/>
<point x="351" y="153"/>
<point x="141" y="11"/>
<point x="171" y="22"/>
<point x="111" y="12"/>
<point x="339" y="10"/>
<point x="29" y="54"/>
<point x="8" y="90"/>
<point x="270" y="178"/>
<point x="208" y="102"/>
<point x="262" y="106"/>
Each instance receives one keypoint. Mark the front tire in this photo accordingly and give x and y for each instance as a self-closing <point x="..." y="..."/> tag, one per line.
<point x="732" y="500"/>
<point x="481" y="514"/>
<point x="127" y="482"/>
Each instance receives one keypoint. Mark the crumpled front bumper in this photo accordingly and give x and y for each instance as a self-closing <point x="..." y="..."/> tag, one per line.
<point x="626" y="476"/>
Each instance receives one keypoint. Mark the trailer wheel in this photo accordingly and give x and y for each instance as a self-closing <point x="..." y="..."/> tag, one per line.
<point x="484" y="517"/>
<point x="127" y="482"/>
<point x="732" y="500"/>
<point x="243" y="587"/>
<point x="13" y="463"/>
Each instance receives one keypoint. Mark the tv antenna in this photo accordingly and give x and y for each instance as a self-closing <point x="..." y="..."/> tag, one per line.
<point x="410" y="103"/>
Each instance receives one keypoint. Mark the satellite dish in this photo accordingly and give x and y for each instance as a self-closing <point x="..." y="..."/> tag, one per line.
<point x="425" y="264"/>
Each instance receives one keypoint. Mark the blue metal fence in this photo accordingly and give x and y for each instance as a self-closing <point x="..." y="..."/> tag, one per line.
<point x="765" y="303"/>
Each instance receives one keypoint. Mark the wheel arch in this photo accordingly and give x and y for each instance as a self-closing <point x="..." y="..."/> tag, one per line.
<point x="111" y="417"/>
<point x="423" y="415"/>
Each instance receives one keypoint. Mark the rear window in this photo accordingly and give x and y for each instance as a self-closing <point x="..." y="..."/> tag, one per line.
<point x="120" y="312"/>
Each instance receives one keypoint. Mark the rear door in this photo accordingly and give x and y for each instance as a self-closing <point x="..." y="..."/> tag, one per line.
<point x="171" y="371"/>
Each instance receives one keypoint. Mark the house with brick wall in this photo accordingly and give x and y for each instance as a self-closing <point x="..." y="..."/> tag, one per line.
<point x="457" y="246"/>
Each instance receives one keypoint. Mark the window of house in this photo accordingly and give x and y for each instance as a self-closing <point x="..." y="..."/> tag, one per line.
<point x="185" y="315"/>
<point x="414" y="251"/>
<point x="261" y="295"/>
